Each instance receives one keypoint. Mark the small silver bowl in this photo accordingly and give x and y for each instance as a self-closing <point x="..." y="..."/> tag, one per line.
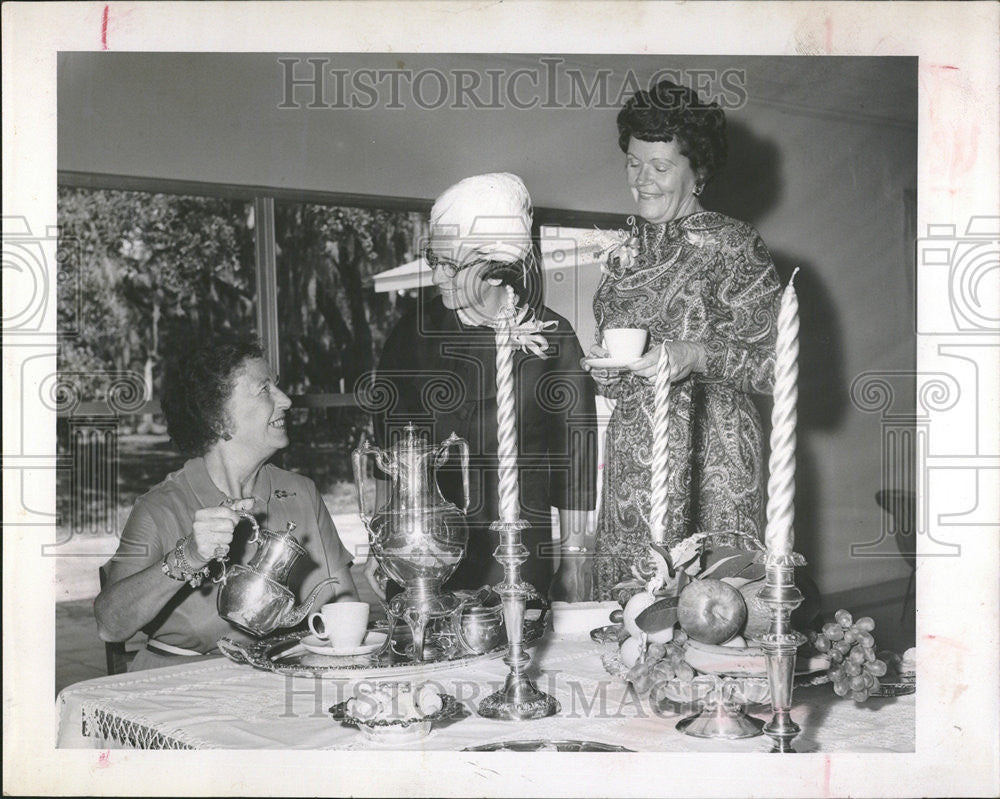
<point x="482" y="628"/>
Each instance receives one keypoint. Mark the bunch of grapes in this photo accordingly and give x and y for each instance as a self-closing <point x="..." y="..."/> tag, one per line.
<point x="663" y="663"/>
<point x="855" y="669"/>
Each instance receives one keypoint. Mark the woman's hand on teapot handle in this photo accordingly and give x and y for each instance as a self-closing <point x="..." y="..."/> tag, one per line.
<point x="375" y="577"/>
<point x="603" y="377"/>
<point x="684" y="358"/>
<point x="212" y="531"/>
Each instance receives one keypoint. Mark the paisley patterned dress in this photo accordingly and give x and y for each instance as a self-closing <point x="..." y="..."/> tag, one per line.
<point x="707" y="278"/>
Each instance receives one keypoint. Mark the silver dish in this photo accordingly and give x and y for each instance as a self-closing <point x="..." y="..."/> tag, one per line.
<point x="449" y="708"/>
<point x="547" y="746"/>
<point x="285" y="654"/>
<point x="390" y="732"/>
<point x="894" y="689"/>
<point x="608" y="634"/>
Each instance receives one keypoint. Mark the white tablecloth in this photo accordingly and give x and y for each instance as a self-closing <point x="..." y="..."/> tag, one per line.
<point x="218" y="704"/>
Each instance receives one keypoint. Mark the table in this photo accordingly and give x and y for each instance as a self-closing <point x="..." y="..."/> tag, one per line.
<point x="218" y="704"/>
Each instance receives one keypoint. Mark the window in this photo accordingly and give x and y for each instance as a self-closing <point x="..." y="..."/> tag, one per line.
<point x="153" y="263"/>
<point x="331" y="325"/>
<point x="146" y="273"/>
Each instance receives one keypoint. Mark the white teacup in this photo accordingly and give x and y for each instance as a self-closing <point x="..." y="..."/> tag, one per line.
<point x="343" y="624"/>
<point x="625" y="343"/>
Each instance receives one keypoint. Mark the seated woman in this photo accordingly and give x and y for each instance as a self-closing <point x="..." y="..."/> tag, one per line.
<point x="225" y="411"/>
<point x="440" y="363"/>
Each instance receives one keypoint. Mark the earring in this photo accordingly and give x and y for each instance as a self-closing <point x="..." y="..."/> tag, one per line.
<point x="698" y="189"/>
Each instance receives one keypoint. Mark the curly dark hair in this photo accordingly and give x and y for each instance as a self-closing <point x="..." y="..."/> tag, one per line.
<point x="197" y="384"/>
<point x="669" y="112"/>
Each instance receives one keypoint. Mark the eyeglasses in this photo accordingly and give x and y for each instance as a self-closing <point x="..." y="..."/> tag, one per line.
<point x="450" y="268"/>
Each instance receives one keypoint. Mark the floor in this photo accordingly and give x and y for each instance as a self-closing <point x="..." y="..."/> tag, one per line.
<point x="79" y="652"/>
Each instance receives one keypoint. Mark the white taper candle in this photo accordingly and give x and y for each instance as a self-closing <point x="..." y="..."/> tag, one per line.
<point x="509" y="498"/>
<point x="658" y="496"/>
<point x="780" y="536"/>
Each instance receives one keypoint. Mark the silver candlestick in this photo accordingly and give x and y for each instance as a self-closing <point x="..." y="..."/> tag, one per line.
<point x="780" y="644"/>
<point x="519" y="699"/>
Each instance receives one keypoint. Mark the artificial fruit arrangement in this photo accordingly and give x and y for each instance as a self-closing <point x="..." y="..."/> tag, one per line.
<point x="703" y="590"/>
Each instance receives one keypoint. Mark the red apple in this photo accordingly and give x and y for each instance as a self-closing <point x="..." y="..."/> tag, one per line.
<point x="711" y="611"/>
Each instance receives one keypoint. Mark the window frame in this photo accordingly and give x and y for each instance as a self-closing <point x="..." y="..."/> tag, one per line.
<point x="266" y="290"/>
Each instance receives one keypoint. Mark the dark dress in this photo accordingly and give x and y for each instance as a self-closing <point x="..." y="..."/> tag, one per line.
<point x="708" y="278"/>
<point x="441" y="375"/>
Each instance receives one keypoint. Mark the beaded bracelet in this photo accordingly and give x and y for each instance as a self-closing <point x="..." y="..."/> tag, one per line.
<point x="193" y="577"/>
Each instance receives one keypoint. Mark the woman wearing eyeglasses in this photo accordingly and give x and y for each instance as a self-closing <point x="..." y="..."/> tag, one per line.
<point x="439" y="369"/>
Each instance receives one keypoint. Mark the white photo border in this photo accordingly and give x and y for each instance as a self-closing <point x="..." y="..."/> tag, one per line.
<point x="957" y="625"/>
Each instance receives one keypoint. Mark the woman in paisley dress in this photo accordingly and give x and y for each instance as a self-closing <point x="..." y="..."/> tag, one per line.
<point x="703" y="283"/>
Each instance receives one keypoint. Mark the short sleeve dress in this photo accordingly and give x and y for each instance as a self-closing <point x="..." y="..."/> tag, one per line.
<point x="707" y="278"/>
<point x="190" y="619"/>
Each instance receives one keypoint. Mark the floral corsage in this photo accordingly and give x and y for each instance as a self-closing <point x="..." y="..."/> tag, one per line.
<point x="623" y="252"/>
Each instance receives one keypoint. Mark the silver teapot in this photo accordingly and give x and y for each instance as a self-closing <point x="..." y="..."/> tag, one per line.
<point x="255" y="597"/>
<point x="417" y="536"/>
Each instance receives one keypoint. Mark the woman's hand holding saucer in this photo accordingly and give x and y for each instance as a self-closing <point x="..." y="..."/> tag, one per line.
<point x="603" y="377"/>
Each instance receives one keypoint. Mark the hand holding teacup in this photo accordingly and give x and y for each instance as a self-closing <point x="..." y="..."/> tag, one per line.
<point x="621" y="345"/>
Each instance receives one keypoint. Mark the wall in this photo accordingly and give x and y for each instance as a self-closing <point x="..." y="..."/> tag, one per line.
<point x="822" y="152"/>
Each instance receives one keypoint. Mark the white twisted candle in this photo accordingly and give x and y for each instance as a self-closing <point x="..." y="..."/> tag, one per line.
<point x="779" y="536"/>
<point x="506" y="425"/>
<point x="658" y="497"/>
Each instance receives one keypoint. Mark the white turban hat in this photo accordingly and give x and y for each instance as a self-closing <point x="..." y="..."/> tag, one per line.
<point x="487" y="216"/>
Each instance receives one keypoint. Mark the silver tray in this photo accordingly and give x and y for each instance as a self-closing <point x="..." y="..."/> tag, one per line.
<point x="284" y="654"/>
<point x="547" y="746"/>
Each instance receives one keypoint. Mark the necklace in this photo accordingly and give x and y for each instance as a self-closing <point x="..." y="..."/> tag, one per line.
<point x="506" y="308"/>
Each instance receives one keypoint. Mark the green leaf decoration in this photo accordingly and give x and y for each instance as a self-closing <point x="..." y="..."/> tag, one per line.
<point x="658" y="616"/>
<point x="662" y="554"/>
<point x="753" y="572"/>
<point x="731" y="565"/>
